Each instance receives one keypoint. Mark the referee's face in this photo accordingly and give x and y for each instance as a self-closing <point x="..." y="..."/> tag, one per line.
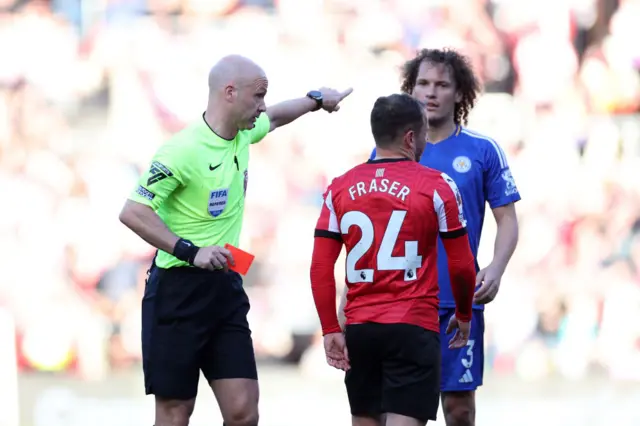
<point x="250" y="102"/>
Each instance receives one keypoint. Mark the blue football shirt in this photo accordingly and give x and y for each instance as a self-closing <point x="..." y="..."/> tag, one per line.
<point x="479" y="167"/>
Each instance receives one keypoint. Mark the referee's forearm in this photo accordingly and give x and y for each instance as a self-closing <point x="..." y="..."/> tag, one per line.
<point x="287" y="111"/>
<point x="147" y="225"/>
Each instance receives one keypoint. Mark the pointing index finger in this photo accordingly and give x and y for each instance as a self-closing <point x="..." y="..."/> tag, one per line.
<point x="346" y="93"/>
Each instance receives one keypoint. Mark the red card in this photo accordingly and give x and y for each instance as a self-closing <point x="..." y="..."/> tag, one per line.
<point x="242" y="259"/>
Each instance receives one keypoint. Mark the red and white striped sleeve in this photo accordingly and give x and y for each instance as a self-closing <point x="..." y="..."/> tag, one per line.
<point x="447" y="203"/>
<point x="327" y="225"/>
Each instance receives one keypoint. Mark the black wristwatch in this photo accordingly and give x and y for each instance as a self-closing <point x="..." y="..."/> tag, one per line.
<point x="316" y="95"/>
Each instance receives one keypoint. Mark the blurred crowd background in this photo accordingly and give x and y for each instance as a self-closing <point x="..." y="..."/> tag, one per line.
<point x="90" y="88"/>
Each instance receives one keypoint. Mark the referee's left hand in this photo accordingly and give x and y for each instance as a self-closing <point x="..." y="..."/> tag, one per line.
<point x="214" y="257"/>
<point x="331" y="98"/>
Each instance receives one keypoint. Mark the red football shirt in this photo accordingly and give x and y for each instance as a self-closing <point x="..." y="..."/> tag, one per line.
<point x="388" y="214"/>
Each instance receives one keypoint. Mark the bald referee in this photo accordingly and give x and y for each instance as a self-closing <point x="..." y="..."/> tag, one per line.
<point x="189" y="204"/>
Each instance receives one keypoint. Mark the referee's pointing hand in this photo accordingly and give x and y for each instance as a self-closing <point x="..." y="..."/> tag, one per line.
<point x="213" y="257"/>
<point x="331" y="98"/>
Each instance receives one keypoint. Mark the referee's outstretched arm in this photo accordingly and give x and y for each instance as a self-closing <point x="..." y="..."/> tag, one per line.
<point x="285" y="112"/>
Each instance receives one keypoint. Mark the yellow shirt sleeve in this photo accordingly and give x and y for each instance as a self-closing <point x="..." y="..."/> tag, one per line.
<point x="263" y="124"/>
<point x="166" y="173"/>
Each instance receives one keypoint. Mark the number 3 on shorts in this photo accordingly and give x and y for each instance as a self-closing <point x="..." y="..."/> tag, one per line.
<point x="468" y="362"/>
<point x="410" y="262"/>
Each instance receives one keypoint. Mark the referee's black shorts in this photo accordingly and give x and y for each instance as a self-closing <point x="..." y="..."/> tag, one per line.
<point x="192" y="320"/>
<point x="395" y="368"/>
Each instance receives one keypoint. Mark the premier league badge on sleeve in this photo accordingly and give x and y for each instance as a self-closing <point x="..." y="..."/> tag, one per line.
<point x="218" y="201"/>
<point x="509" y="182"/>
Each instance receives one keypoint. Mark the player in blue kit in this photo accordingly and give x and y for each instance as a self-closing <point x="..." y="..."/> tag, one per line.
<point x="444" y="82"/>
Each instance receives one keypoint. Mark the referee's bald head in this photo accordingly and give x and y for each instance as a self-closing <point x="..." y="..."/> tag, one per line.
<point x="237" y="90"/>
<point x="234" y="70"/>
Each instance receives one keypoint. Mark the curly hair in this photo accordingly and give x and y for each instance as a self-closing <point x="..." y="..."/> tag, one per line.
<point x="465" y="80"/>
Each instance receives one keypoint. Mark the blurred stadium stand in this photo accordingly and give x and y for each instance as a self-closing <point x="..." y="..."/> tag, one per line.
<point x="89" y="88"/>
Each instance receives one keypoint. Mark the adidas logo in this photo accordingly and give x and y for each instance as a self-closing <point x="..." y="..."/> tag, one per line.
<point x="467" y="377"/>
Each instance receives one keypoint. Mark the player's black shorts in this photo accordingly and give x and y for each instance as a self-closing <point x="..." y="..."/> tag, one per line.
<point x="192" y="320"/>
<point x="395" y="368"/>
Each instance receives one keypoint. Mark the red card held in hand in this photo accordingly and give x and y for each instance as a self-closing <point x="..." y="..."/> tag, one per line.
<point x="242" y="259"/>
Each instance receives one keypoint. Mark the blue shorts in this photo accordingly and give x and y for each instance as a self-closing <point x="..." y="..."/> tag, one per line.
<point x="462" y="369"/>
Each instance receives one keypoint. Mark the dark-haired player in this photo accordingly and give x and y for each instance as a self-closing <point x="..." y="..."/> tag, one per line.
<point x="388" y="213"/>
<point x="444" y="82"/>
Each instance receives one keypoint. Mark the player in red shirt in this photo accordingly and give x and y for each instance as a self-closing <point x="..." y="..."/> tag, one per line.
<point x="388" y="213"/>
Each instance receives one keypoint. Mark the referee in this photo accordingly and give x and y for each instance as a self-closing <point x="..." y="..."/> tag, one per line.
<point x="189" y="204"/>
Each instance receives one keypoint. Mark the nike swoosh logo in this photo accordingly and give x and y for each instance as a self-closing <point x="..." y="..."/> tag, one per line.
<point x="215" y="167"/>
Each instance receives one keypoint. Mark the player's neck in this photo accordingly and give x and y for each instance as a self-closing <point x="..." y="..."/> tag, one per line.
<point x="439" y="132"/>
<point x="220" y="124"/>
<point x="389" y="154"/>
